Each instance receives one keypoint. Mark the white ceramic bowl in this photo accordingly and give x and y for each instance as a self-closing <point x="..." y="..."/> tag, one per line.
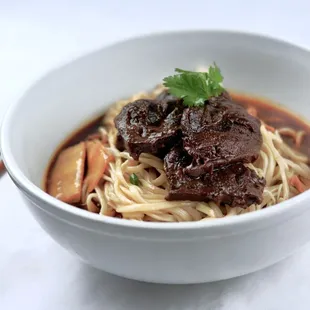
<point x="158" y="252"/>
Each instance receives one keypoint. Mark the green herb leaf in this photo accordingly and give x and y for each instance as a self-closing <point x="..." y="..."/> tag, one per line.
<point x="134" y="179"/>
<point x="195" y="87"/>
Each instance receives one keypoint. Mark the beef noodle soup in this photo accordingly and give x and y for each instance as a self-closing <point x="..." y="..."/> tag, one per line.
<point x="157" y="157"/>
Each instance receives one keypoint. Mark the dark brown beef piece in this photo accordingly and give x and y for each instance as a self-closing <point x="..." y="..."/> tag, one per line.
<point x="234" y="185"/>
<point x="219" y="134"/>
<point x="149" y="126"/>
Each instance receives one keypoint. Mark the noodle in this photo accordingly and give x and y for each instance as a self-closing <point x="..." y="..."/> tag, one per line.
<point x="277" y="163"/>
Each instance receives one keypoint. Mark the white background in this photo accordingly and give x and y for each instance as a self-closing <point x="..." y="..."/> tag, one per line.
<point x="35" y="36"/>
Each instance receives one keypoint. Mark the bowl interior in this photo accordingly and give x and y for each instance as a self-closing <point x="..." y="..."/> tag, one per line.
<point x="68" y="97"/>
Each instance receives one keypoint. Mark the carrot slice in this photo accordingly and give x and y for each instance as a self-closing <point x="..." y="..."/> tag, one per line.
<point x="94" y="136"/>
<point x="252" y="111"/>
<point x="65" y="182"/>
<point x="295" y="181"/>
<point x="97" y="161"/>
<point x="270" y="128"/>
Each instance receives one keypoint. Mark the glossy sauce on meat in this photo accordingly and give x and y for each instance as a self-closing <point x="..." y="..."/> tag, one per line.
<point x="219" y="134"/>
<point x="234" y="184"/>
<point x="149" y="126"/>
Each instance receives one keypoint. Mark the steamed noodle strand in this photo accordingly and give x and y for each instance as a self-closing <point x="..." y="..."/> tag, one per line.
<point x="116" y="196"/>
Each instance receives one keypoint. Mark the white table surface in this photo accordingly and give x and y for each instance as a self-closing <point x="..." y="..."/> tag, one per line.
<point x="36" y="273"/>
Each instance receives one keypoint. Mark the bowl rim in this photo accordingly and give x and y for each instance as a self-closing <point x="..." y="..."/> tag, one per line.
<point x="32" y="190"/>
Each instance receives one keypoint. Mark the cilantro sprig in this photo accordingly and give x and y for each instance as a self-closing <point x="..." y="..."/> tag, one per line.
<point x="195" y="87"/>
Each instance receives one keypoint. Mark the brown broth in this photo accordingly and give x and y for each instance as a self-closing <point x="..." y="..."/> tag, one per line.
<point x="82" y="133"/>
<point x="268" y="112"/>
<point x="277" y="117"/>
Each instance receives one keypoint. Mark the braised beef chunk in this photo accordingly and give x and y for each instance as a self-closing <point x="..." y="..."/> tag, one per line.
<point x="235" y="185"/>
<point x="219" y="134"/>
<point x="149" y="126"/>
